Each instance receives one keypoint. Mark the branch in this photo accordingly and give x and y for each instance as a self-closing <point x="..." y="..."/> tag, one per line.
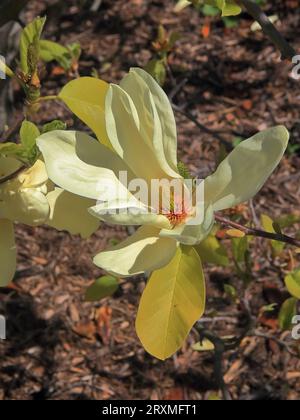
<point x="259" y="233"/>
<point x="287" y="51"/>
<point x="220" y="349"/>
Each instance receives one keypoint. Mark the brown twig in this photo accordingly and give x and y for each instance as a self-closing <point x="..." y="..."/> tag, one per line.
<point x="287" y="51"/>
<point x="259" y="233"/>
<point x="219" y="348"/>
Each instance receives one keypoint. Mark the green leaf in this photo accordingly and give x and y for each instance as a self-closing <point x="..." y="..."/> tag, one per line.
<point x="288" y="220"/>
<point x="157" y="69"/>
<point x="209" y="10"/>
<point x="103" y="287"/>
<point x="52" y="51"/>
<point x="230" y="291"/>
<point x="268" y="225"/>
<point x="54" y="125"/>
<point x="269" y="308"/>
<point x="240" y="248"/>
<point x="183" y="170"/>
<point x="29" y="132"/>
<point x="75" y="50"/>
<point x="287" y="312"/>
<point x="230" y="22"/>
<point x="173" y="300"/>
<point x="212" y="251"/>
<point x="292" y="282"/>
<point x="29" y="45"/>
<point x="228" y="7"/>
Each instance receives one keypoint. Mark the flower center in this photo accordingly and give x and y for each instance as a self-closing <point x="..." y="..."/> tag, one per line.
<point x="177" y="218"/>
<point x="177" y="212"/>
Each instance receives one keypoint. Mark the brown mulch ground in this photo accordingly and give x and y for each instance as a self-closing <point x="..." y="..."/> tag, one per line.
<point x="60" y="347"/>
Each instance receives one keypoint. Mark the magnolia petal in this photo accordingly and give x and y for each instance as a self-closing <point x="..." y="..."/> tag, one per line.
<point x="245" y="170"/>
<point x="143" y="252"/>
<point x="8" y="253"/>
<point x="150" y="122"/>
<point x="79" y="164"/>
<point x="86" y="99"/>
<point x="70" y="212"/>
<point x="129" y="213"/>
<point x="28" y="206"/>
<point x="123" y="128"/>
<point x="189" y="234"/>
<point x="35" y="176"/>
<point x="8" y="166"/>
<point x="166" y="116"/>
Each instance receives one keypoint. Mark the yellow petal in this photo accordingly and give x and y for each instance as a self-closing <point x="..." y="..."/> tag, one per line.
<point x="8" y="166"/>
<point x="70" y="212"/>
<point x="128" y="213"/>
<point x="8" y="253"/>
<point x="86" y="99"/>
<point x="165" y="115"/>
<point x="245" y="170"/>
<point x="123" y="128"/>
<point x="157" y="123"/>
<point x="143" y="252"/>
<point x="35" y="176"/>
<point x="28" y="206"/>
<point x="173" y="300"/>
<point x="81" y="165"/>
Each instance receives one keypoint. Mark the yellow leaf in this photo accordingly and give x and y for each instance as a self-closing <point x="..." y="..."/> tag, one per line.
<point x="173" y="300"/>
<point x="268" y="225"/>
<point x="292" y="282"/>
<point x="205" y="345"/>
<point x="212" y="251"/>
<point x="235" y="233"/>
<point x="86" y="99"/>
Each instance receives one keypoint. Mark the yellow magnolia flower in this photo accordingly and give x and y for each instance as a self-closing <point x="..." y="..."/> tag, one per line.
<point x="140" y="139"/>
<point x="143" y="143"/>
<point x="30" y="198"/>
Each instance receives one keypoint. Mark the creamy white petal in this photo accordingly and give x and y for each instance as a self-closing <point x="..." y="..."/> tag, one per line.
<point x="123" y="128"/>
<point x="81" y="165"/>
<point x="8" y="166"/>
<point x="151" y="122"/>
<point x="70" y="212"/>
<point x="166" y="116"/>
<point x="129" y="213"/>
<point x="245" y="170"/>
<point x="28" y="206"/>
<point x="8" y="253"/>
<point x="143" y="252"/>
